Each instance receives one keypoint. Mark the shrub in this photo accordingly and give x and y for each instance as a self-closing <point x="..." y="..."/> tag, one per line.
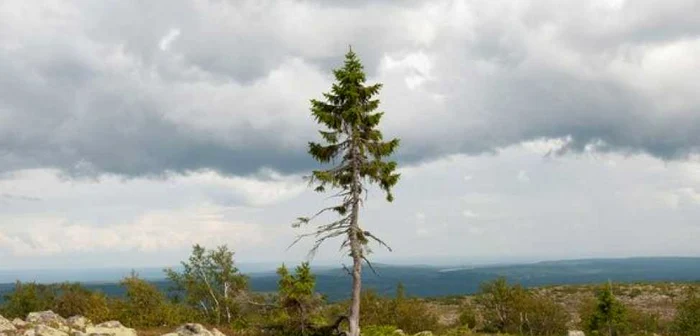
<point x="27" y="298"/>
<point x="606" y="315"/>
<point x="644" y="323"/>
<point x="459" y="331"/>
<point x="297" y="298"/>
<point x="145" y="305"/>
<point x="468" y="316"/>
<point x="687" y="319"/>
<point x="376" y="310"/>
<point x="383" y="330"/>
<point x="408" y="314"/>
<point x="501" y="305"/>
<point x="542" y="316"/>
<point x="210" y="282"/>
<point x="74" y="299"/>
<point x="512" y="309"/>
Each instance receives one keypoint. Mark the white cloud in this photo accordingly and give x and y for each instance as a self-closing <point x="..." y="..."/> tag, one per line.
<point x="160" y="231"/>
<point x="546" y="146"/>
<point x="168" y="39"/>
<point x="523" y="177"/>
<point x="469" y="214"/>
<point x="416" y="67"/>
<point x="56" y="219"/>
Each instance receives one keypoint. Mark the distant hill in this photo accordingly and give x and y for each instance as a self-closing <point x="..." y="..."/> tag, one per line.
<point x="427" y="281"/>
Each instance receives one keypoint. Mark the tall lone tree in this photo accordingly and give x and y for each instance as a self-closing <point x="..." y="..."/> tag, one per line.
<point x="356" y="151"/>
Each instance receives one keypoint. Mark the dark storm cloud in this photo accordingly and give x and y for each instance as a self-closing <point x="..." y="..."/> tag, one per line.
<point x="147" y="88"/>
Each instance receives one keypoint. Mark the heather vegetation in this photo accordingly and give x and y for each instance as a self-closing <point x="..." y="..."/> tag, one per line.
<point x="210" y="290"/>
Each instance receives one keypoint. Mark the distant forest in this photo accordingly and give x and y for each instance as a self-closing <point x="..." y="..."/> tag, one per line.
<point x="426" y="281"/>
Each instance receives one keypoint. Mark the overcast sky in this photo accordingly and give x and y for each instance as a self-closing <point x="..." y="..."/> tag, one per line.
<point x="130" y="130"/>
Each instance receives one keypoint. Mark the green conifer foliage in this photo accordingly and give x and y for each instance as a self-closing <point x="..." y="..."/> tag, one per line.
<point x="297" y="296"/>
<point x="356" y="150"/>
<point x="609" y="317"/>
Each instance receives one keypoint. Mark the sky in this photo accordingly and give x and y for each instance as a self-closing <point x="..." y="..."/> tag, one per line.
<point x="530" y="130"/>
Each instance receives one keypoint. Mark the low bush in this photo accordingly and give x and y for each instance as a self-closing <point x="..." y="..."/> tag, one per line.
<point x="382" y="330"/>
<point x="468" y="316"/>
<point x="687" y="319"/>
<point x="27" y="298"/>
<point x="408" y="314"/>
<point x="74" y="299"/>
<point x="512" y="309"/>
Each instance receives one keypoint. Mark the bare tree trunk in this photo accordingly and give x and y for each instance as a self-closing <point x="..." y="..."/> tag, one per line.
<point x="204" y="307"/>
<point x="213" y="296"/>
<point x="303" y="319"/>
<point x="227" y="302"/>
<point x="355" y="247"/>
<point x="354" y="318"/>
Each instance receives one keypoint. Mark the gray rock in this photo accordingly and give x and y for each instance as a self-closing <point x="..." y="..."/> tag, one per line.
<point x="216" y="332"/>
<point x="48" y="318"/>
<point x="78" y="322"/>
<point x="194" y="329"/>
<point x="110" y="328"/>
<point x="6" y="325"/>
<point x="424" y="333"/>
<point x="110" y="324"/>
<point x="19" y="324"/>
<point x="576" y="333"/>
<point x="44" y="330"/>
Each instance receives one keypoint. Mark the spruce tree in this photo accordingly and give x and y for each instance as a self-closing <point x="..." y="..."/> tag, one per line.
<point x="609" y="317"/>
<point x="356" y="150"/>
<point x="297" y="296"/>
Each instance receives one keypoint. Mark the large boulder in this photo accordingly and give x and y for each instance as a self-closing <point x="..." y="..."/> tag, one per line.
<point x="78" y="322"/>
<point x="110" y="328"/>
<point x="48" y="318"/>
<point x="576" y="333"/>
<point x="6" y="326"/>
<point x="19" y="324"/>
<point x="110" y="324"/>
<point x="194" y="329"/>
<point x="44" y="330"/>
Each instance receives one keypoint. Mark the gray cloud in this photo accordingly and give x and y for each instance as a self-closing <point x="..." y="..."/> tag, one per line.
<point x="16" y="197"/>
<point x="92" y="88"/>
<point x="516" y="204"/>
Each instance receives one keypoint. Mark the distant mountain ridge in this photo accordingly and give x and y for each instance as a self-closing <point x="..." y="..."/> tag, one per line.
<point x="430" y="281"/>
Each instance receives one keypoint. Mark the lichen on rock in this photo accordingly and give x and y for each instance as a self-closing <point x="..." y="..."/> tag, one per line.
<point x="6" y="325"/>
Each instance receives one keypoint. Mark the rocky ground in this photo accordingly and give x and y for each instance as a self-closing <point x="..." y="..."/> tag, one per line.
<point x="48" y="323"/>
<point x="659" y="299"/>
